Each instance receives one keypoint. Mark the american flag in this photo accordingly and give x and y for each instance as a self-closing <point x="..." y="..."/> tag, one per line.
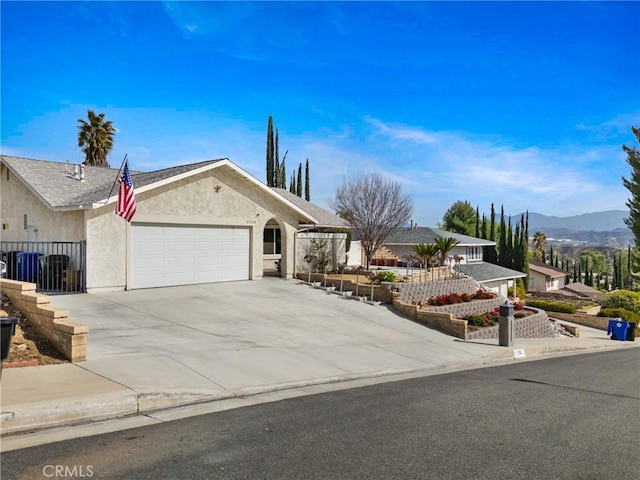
<point x="126" y="206"/>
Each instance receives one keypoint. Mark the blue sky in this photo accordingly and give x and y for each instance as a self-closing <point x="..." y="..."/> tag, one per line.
<point x="521" y="104"/>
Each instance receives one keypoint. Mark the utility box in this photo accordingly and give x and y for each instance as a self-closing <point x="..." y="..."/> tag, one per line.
<point x="505" y="325"/>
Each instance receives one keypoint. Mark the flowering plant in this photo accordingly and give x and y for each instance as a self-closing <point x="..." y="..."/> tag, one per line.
<point x="453" y="298"/>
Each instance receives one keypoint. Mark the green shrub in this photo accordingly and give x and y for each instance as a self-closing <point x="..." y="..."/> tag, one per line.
<point x="520" y="291"/>
<point x="622" y="313"/>
<point x="386" y="277"/>
<point x="552" y="306"/>
<point x="623" y="299"/>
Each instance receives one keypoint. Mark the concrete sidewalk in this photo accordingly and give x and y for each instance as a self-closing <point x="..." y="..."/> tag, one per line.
<point x="159" y="348"/>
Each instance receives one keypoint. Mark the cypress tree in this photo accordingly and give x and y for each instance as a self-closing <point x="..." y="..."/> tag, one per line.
<point x="580" y="272"/>
<point x="492" y="231"/>
<point x="283" y="172"/>
<point x="524" y="250"/>
<point x="518" y="261"/>
<point x="477" y="222"/>
<point x="633" y="185"/>
<point x="510" y="246"/>
<point x="551" y="259"/>
<point x="630" y="280"/>
<point x="276" y="163"/>
<point x="307" y="191"/>
<point x="299" y="185"/>
<point x="502" y="240"/>
<point x="490" y="254"/>
<point x="484" y="227"/>
<point x="270" y="154"/>
<point x="292" y="185"/>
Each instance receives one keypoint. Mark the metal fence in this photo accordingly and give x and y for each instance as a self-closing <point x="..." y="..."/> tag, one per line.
<point x="55" y="267"/>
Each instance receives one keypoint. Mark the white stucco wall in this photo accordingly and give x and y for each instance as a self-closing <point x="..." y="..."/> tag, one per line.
<point x="16" y="200"/>
<point x="500" y="287"/>
<point x="355" y="258"/>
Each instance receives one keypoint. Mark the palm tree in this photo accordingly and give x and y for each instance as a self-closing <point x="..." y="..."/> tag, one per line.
<point x="445" y="245"/>
<point x="426" y="251"/>
<point x="95" y="138"/>
<point x="539" y="241"/>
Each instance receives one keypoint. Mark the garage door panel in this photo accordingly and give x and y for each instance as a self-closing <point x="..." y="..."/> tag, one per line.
<point x="178" y="255"/>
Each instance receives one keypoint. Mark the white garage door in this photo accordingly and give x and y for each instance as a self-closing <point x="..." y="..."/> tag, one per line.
<point x="165" y="255"/>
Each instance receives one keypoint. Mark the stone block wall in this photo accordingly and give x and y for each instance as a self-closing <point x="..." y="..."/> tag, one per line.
<point x="593" y="321"/>
<point x="601" y="323"/>
<point x="70" y="338"/>
<point x="468" y="308"/>
<point x="412" y="292"/>
<point x="533" y="326"/>
<point x="444" y="322"/>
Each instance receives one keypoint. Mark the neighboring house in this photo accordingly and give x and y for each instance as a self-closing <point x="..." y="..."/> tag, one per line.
<point x="398" y="246"/>
<point x="401" y="243"/>
<point x="199" y="223"/>
<point x="544" y="277"/>
<point x="584" y="291"/>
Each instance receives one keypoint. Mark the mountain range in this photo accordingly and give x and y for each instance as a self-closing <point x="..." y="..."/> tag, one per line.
<point x="605" y="228"/>
<point x="597" y="221"/>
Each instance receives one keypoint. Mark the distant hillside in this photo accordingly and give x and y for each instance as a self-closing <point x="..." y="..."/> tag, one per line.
<point x="598" y="221"/>
<point x="618" y="238"/>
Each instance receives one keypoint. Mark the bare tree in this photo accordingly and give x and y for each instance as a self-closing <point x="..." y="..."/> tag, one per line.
<point x="374" y="207"/>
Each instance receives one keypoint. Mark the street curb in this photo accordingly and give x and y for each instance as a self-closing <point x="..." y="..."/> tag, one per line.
<point x="47" y="413"/>
<point x="42" y="416"/>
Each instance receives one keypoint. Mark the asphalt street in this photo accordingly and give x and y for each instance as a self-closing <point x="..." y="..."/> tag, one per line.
<point x="572" y="417"/>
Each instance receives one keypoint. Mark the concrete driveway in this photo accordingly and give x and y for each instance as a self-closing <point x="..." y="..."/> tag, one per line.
<point x="247" y="337"/>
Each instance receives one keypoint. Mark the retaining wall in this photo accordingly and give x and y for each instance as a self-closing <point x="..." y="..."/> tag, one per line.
<point x="412" y="292"/>
<point x="70" y="338"/>
<point x="593" y="321"/>
<point x="533" y="326"/>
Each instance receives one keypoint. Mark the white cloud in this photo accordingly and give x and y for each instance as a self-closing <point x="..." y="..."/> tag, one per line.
<point x="616" y="127"/>
<point x="463" y="167"/>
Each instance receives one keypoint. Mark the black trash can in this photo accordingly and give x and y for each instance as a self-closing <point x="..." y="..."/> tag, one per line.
<point x="8" y="328"/>
<point x="631" y="332"/>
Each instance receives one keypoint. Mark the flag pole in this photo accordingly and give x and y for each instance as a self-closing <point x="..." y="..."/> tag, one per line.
<point x="117" y="177"/>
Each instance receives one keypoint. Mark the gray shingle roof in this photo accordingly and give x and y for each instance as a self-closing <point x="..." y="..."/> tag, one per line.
<point x="546" y="269"/>
<point x="49" y="181"/>
<point x="486" y="272"/>
<point x="324" y="217"/>
<point x="418" y="235"/>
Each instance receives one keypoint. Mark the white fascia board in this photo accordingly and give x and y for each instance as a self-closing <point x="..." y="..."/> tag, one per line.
<point x="196" y="171"/>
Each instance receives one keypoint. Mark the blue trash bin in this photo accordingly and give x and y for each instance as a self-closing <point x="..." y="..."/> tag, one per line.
<point x="618" y="329"/>
<point x="28" y="263"/>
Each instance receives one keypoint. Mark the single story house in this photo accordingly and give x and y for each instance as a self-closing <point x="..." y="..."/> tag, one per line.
<point x="581" y="290"/>
<point x="544" y="277"/>
<point x="468" y="252"/>
<point x="199" y="223"/>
